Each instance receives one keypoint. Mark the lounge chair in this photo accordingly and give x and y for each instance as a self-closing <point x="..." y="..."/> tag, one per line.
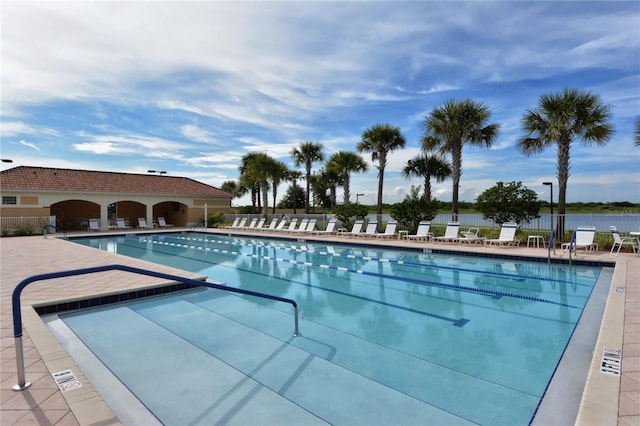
<point x="252" y="224"/>
<point x="370" y="231"/>
<point x="450" y="234"/>
<point x="619" y="241"/>
<point x="422" y="233"/>
<point x="292" y="225"/>
<point x="241" y="224"/>
<point x="389" y="230"/>
<point x="121" y="224"/>
<point x="329" y="230"/>
<point x="584" y="239"/>
<point x="272" y="225"/>
<point x="471" y="237"/>
<point x="163" y="224"/>
<point x="281" y="225"/>
<point x="311" y="226"/>
<point x="235" y="223"/>
<point x="507" y="236"/>
<point x="94" y="225"/>
<point x="142" y="223"/>
<point x="355" y="229"/>
<point x="260" y="224"/>
<point x="302" y="225"/>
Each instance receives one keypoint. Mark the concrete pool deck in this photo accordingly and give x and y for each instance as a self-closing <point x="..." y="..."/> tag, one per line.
<point x="607" y="399"/>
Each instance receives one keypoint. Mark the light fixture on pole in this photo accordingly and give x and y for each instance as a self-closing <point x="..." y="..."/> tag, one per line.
<point x="358" y="197"/>
<point x="160" y="172"/>
<point x="550" y="184"/>
<point x="6" y="160"/>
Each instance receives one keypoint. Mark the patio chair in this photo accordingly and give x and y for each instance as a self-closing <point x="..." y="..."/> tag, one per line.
<point x="272" y="225"/>
<point x="281" y="224"/>
<point x="371" y="230"/>
<point x="355" y="229"/>
<point x="311" y="226"/>
<point x="241" y="224"/>
<point x="260" y="224"/>
<point x="389" y="230"/>
<point x="142" y="223"/>
<point x="450" y="234"/>
<point x="507" y="236"/>
<point x="329" y="230"/>
<point x="292" y="225"/>
<point x="422" y="233"/>
<point x="94" y="225"/>
<point x="619" y="242"/>
<point x="471" y="237"/>
<point x="301" y="226"/>
<point x="121" y="224"/>
<point x="163" y="224"/>
<point x="584" y="239"/>
<point x="252" y="224"/>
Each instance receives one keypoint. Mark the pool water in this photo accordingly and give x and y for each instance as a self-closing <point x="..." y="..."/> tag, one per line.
<point x="387" y="336"/>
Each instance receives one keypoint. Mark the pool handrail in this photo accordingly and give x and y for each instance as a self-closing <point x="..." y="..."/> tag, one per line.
<point x="17" y="312"/>
<point x="55" y="229"/>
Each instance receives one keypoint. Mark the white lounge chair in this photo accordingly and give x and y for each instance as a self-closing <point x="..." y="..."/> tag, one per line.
<point x="329" y="230"/>
<point x="292" y="225"/>
<point x="507" y="236"/>
<point x="619" y="242"/>
<point x="584" y="239"/>
<point x="281" y="225"/>
<point x="355" y="229"/>
<point x="260" y="224"/>
<point x="272" y="225"/>
<point x="370" y="231"/>
<point x="142" y="223"/>
<point x="422" y="233"/>
<point x="163" y="224"/>
<point x="302" y="225"/>
<point x="235" y="223"/>
<point x="389" y="230"/>
<point x="311" y="226"/>
<point x="121" y="224"/>
<point x="242" y="223"/>
<point x="94" y="225"/>
<point x="252" y="224"/>
<point x="471" y="237"/>
<point x="450" y="234"/>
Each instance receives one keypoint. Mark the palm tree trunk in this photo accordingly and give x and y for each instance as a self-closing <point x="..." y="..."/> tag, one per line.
<point x="265" y="197"/>
<point x="380" y="186"/>
<point x="308" y="167"/>
<point x="563" y="178"/>
<point x="346" y="189"/>
<point x="427" y="187"/>
<point x="456" y="168"/>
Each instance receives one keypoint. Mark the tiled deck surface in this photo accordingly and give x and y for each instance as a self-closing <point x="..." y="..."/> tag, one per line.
<point x="606" y="399"/>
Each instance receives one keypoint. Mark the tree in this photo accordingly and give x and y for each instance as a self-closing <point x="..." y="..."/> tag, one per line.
<point x="247" y="178"/>
<point x="293" y="176"/>
<point x="236" y="189"/>
<point x="347" y="214"/>
<point x="559" y="119"/>
<point x="380" y="140"/>
<point x="427" y="166"/>
<point x="413" y="209"/>
<point x="326" y="180"/>
<point x="294" y="196"/>
<point x="278" y="173"/>
<point x="509" y="203"/>
<point x="261" y="169"/>
<point x="307" y="154"/>
<point x="451" y="126"/>
<point x="343" y="163"/>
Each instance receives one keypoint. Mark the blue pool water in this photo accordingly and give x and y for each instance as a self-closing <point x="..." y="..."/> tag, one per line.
<point x="388" y="336"/>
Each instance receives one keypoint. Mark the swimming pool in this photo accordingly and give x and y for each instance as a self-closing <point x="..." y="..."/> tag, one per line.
<point x="388" y="337"/>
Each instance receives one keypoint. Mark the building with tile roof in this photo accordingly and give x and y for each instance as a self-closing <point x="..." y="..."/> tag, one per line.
<point x="75" y="196"/>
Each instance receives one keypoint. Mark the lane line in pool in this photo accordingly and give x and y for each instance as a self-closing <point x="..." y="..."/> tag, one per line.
<point x="457" y="287"/>
<point x="400" y="262"/>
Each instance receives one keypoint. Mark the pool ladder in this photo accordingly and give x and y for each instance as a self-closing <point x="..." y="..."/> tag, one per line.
<point x="17" y="313"/>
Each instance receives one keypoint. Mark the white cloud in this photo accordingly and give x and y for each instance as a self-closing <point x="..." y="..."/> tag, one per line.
<point x="30" y="145"/>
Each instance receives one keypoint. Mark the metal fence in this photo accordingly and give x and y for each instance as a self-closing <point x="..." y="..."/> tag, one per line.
<point x="25" y="224"/>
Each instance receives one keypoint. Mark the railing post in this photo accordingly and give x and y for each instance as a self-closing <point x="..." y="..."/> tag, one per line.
<point x="22" y="381"/>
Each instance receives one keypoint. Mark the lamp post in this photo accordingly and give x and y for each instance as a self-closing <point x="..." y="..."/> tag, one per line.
<point x="550" y="184"/>
<point x="358" y="198"/>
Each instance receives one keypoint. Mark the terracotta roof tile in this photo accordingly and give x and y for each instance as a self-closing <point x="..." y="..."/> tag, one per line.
<point x="50" y="179"/>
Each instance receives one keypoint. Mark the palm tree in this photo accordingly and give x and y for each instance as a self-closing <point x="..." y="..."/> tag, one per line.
<point x="307" y="154"/>
<point x="427" y="166"/>
<point x="343" y="163"/>
<point x="293" y="176"/>
<point x="323" y="181"/>
<point x="559" y="119"/>
<point x="380" y="140"/>
<point x="236" y="189"/>
<point x="453" y="125"/>
<point x="278" y="173"/>
<point x="247" y="178"/>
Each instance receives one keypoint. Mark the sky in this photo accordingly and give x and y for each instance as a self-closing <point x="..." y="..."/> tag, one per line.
<point x="191" y="87"/>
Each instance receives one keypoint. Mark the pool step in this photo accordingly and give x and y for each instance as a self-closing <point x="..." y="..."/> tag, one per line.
<point x="328" y="391"/>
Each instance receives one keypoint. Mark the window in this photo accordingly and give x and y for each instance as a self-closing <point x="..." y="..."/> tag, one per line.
<point x="9" y="200"/>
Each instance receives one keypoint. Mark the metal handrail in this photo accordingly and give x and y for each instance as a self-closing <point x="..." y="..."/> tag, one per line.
<point x="17" y="312"/>
<point x="55" y="229"/>
<point x="551" y="245"/>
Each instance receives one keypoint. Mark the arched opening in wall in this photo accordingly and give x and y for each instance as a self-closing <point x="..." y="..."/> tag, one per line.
<point x="74" y="214"/>
<point x="130" y="211"/>
<point x="173" y="212"/>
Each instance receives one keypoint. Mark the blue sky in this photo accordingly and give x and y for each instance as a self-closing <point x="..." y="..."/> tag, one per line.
<point x="191" y="87"/>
